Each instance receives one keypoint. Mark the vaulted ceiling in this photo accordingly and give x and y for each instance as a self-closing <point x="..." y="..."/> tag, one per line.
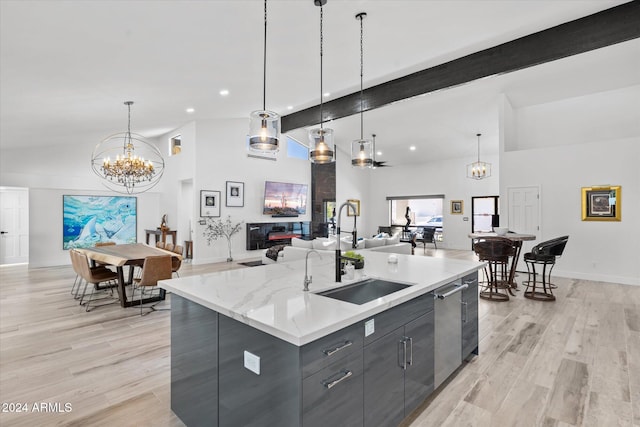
<point x="66" y="67"/>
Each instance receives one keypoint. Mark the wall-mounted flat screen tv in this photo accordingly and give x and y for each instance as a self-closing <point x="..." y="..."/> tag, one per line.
<point x="87" y="220"/>
<point x="284" y="199"/>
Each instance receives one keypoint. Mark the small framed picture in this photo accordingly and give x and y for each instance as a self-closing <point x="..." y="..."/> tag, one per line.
<point x="209" y="203"/>
<point x="356" y="203"/>
<point x="457" y="207"/>
<point x="602" y="203"/>
<point x="235" y="194"/>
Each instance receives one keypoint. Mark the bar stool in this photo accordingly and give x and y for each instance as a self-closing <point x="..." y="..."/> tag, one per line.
<point x="496" y="251"/>
<point x="544" y="254"/>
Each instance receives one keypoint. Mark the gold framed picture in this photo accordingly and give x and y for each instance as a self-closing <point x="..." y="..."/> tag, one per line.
<point x="457" y="207"/>
<point x="602" y="203"/>
<point x="356" y="203"/>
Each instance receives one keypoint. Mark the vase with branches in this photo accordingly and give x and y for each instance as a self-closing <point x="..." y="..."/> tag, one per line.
<point x="216" y="229"/>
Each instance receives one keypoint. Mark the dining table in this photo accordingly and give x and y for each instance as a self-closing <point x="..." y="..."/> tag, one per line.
<point x="517" y="239"/>
<point x="130" y="254"/>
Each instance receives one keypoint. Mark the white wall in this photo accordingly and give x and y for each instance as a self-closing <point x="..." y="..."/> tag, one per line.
<point x="602" y="251"/>
<point x="547" y="146"/>
<point x="448" y="177"/>
<point x="221" y="156"/>
<point x="49" y="174"/>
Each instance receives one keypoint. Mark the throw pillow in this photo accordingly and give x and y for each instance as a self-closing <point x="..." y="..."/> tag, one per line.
<point x="393" y="239"/>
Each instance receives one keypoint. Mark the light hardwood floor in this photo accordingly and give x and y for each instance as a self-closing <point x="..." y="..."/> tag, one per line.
<point x="572" y="362"/>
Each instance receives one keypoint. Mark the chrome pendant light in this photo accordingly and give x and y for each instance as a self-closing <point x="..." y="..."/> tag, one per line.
<point x="264" y="125"/>
<point x="138" y="164"/>
<point x="321" y="146"/>
<point x="361" y="149"/>
<point x="478" y="169"/>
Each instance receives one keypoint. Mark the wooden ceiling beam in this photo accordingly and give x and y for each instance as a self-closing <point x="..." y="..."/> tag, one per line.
<point x="605" y="28"/>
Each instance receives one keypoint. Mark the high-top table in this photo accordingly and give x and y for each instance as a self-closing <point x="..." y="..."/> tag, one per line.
<point x="131" y="255"/>
<point x="517" y="239"/>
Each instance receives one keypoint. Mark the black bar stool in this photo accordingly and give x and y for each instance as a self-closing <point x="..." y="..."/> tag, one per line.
<point x="496" y="251"/>
<point x="543" y="254"/>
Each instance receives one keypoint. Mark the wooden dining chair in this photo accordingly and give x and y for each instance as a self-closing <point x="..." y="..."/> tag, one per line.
<point x="154" y="268"/>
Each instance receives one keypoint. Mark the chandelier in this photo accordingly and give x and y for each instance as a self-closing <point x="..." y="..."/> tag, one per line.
<point x="264" y="126"/>
<point x="129" y="172"/>
<point x="478" y="169"/>
<point x="321" y="146"/>
<point x="361" y="149"/>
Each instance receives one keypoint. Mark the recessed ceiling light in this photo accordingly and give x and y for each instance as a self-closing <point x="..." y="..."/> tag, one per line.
<point x="379" y="153"/>
<point x="190" y="110"/>
<point x="224" y="92"/>
<point x="289" y="107"/>
<point x="412" y="148"/>
<point x="326" y="94"/>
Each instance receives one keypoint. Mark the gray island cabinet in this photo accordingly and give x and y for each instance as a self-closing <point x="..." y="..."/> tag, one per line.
<point x="250" y="348"/>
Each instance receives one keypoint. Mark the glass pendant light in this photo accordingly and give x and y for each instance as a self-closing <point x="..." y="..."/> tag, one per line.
<point x="361" y="149"/>
<point x="479" y="170"/>
<point x="321" y="145"/>
<point x="264" y="125"/>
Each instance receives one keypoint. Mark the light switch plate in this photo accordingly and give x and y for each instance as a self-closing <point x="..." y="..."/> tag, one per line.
<point x="369" y="327"/>
<point x="252" y="362"/>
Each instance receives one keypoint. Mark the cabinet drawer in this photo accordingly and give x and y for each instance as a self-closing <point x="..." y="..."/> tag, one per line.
<point x="320" y="353"/>
<point x="395" y="317"/>
<point x="334" y="396"/>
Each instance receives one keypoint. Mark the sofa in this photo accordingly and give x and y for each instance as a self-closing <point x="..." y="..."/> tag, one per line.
<point x="299" y="247"/>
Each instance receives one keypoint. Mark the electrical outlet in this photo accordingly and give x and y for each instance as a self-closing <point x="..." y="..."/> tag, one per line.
<point x="369" y="327"/>
<point x="252" y="362"/>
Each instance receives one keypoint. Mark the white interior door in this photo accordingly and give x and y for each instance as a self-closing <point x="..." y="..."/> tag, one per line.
<point x="14" y="225"/>
<point x="524" y="216"/>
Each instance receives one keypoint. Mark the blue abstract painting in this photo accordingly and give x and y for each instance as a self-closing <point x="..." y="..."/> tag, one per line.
<point x="91" y="219"/>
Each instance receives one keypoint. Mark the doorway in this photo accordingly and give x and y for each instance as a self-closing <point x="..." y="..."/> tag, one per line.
<point x="14" y="225"/>
<point x="484" y="213"/>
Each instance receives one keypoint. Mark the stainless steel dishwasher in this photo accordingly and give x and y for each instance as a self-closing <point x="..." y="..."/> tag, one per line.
<point x="448" y="330"/>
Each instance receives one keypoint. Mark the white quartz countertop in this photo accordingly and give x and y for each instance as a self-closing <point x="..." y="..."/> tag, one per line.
<point x="270" y="297"/>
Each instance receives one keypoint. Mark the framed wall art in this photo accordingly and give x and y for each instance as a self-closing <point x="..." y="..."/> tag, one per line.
<point x="87" y="220"/>
<point x="602" y="203"/>
<point x="235" y="194"/>
<point x="457" y="207"/>
<point x="209" y="203"/>
<point x="355" y="202"/>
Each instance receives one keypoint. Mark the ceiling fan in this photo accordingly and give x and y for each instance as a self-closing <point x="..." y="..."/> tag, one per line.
<point x="377" y="164"/>
<point x="381" y="164"/>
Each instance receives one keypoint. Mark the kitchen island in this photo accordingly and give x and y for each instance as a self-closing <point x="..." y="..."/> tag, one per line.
<point x="249" y="347"/>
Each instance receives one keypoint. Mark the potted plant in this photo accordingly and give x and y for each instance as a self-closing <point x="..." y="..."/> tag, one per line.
<point x="217" y="228"/>
<point x="359" y="259"/>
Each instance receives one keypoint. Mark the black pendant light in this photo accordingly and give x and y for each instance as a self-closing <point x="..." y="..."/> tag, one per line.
<point x="361" y="149"/>
<point x="321" y="146"/>
<point x="264" y="125"/>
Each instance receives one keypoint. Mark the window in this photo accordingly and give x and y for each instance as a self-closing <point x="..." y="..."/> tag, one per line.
<point x="297" y="150"/>
<point x="175" y="145"/>
<point x="423" y="210"/>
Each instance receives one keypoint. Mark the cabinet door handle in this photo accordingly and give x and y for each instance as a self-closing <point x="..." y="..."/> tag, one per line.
<point x="452" y="291"/>
<point x="328" y="384"/>
<point x="464" y="312"/>
<point x="331" y="351"/>
<point x="404" y="353"/>
<point x="410" y="351"/>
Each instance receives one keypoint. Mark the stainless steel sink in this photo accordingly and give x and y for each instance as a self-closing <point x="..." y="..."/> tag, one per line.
<point x="365" y="291"/>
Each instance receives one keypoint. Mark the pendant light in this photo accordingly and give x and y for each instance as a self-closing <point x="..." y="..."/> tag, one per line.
<point x="361" y="149"/>
<point x="321" y="146"/>
<point x="478" y="169"/>
<point x="137" y="166"/>
<point x="264" y="125"/>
